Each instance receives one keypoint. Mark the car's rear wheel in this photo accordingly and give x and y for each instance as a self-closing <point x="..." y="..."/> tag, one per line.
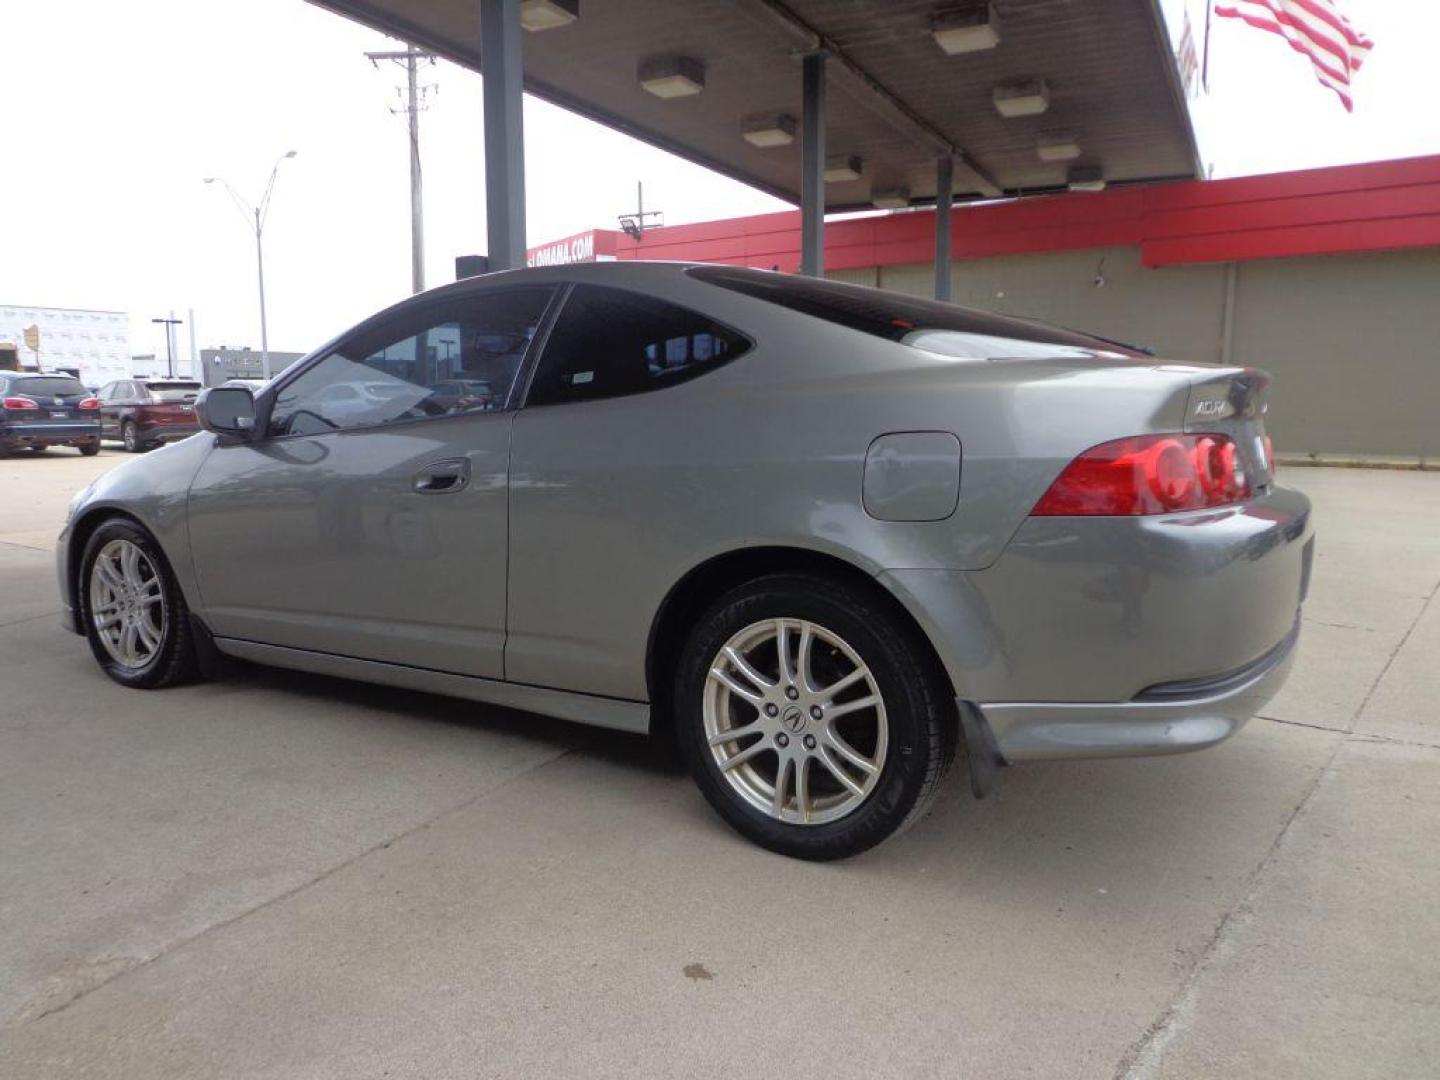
<point x="132" y="609"/>
<point x="90" y="449"/>
<point x="809" y="717"/>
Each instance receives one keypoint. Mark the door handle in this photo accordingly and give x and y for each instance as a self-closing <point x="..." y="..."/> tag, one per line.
<point x="443" y="477"/>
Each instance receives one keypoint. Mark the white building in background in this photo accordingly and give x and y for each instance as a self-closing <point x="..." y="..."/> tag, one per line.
<point x="95" y="345"/>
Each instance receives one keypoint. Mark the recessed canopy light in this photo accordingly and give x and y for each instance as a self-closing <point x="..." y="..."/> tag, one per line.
<point x="769" y="129"/>
<point x="1030" y="97"/>
<point x="972" y="28"/>
<point x="672" y="76"/>
<point x="548" y="14"/>
<point x="1057" y="146"/>
<point x="890" y="198"/>
<point x="840" y="169"/>
<point x="1086" y="178"/>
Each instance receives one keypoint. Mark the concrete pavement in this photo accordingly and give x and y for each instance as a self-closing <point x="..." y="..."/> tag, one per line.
<point x="287" y="876"/>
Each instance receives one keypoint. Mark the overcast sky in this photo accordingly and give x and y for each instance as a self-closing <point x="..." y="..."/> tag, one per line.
<point x="114" y="113"/>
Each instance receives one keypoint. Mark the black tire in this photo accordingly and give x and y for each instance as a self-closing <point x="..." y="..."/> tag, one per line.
<point x="38" y="449"/>
<point x="173" y="661"/>
<point x="919" y="714"/>
<point x="90" y="449"/>
<point x="130" y="437"/>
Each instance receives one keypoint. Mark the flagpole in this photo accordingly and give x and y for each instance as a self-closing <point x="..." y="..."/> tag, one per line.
<point x="1205" y="60"/>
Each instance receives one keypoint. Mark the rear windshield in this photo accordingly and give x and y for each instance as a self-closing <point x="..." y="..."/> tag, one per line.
<point x="923" y="324"/>
<point x="47" y="386"/>
<point x="173" y="391"/>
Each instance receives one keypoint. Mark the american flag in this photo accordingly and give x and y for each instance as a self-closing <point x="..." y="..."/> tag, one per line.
<point x="1313" y="28"/>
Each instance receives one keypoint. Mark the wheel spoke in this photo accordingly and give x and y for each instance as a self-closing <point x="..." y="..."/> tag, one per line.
<point x="130" y="564"/>
<point x="730" y="735"/>
<point x="741" y="756"/>
<point x="104" y="622"/>
<point x="802" y="787"/>
<point x="837" y="711"/>
<point x="747" y="669"/>
<point x="835" y="769"/>
<point x="725" y="679"/>
<point x="108" y="574"/>
<point x="127" y="640"/>
<point x="842" y="683"/>
<point x="782" y="785"/>
<point x="149" y="636"/>
<point x="802" y="657"/>
<point x="782" y="650"/>
<point x="836" y="742"/>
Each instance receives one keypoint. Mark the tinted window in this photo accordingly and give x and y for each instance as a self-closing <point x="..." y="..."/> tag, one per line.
<point x="449" y="359"/>
<point x="925" y="324"/>
<point x="47" y="386"/>
<point x="172" y="391"/>
<point x="609" y="342"/>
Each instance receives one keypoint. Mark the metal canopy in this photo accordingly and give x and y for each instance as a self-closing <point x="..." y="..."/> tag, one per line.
<point x="895" y="100"/>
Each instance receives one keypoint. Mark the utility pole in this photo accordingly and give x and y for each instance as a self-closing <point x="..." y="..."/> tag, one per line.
<point x="635" y="224"/>
<point x="414" y="102"/>
<point x="169" y="342"/>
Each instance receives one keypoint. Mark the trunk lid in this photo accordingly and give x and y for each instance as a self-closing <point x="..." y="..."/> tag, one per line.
<point x="1233" y="402"/>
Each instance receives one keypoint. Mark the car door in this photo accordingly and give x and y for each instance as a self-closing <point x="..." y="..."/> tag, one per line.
<point x="373" y="524"/>
<point x="603" y="501"/>
<point x="109" y="424"/>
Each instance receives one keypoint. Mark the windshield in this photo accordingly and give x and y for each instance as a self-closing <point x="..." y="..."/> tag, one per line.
<point x="47" y="386"/>
<point x="173" y="391"/>
<point x="923" y="324"/>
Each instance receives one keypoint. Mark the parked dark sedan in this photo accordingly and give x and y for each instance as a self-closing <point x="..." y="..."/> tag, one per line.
<point x="142" y="413"/>
<point x="47" y="410"/>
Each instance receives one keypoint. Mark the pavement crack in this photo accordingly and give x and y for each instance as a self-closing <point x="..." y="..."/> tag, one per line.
<point x="1145" y="1054"/>
<point x="1302" y="723"/>
<point x="324" y="875"/>
<point x="30" y="618"/>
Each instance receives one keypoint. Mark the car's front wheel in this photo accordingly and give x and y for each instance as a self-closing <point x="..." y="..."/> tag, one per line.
<point x="90" y="449"/>
<point x="132" y="609"/>
<point x="809" y="717"/>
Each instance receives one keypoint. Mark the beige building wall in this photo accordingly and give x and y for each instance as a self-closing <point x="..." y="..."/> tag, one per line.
<point x="1350" y="339"/>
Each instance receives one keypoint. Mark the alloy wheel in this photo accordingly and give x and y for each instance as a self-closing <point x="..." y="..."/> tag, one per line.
<point x="127" y="603"/>
<point x="795" y="721"/>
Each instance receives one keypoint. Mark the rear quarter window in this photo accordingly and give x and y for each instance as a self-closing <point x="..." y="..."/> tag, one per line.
<point x="923" y="324"/>
<point x="611" y="342"/>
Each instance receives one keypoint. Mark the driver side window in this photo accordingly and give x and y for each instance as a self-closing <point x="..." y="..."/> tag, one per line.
<point x="450" y="359"/>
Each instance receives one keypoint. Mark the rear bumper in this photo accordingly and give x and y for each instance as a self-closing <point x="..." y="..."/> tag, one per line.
<point x="61" y="433"/>
<point x="166" y="432"/>
<point x="1166" y="719"/>
<point x="1104" y="636"/>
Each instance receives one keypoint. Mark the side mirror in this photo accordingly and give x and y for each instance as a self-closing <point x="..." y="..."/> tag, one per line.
<point x="226" y="410"/>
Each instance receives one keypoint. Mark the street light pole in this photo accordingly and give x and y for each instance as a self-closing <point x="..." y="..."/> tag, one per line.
<point x="255" y="218"/>
<point x="169" y="348"/>
<point x="260" y="273"/>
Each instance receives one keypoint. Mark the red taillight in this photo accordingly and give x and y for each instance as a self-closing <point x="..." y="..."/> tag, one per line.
<point x="1269" y="456"/>
<point x="19" y="403"/>
<point x="1148" y="474"/>
<point x="89" y="403"/>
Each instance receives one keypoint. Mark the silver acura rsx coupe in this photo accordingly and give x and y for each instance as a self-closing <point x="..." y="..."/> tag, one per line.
<point x="822" y="535"/>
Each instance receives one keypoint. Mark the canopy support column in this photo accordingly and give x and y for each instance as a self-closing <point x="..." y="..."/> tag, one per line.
<point x="944" y="196"/>
<point x="504" y="133"/>
<point x="812" y="167"/>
